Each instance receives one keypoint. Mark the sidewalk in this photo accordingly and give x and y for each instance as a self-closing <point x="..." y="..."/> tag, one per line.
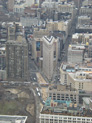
<point x="40" y="78"/>
<point x="44" y="90"/>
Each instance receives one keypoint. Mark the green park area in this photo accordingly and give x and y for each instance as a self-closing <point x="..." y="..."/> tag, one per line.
<point x="8" y="107"/>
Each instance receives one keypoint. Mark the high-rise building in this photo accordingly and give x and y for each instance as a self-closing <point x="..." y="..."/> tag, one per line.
<point x="48" y="56"/>
<point x="14" y="30"/>
<point x="90" y="49"/>
<point x="37" y="48"/>
<point x="64" y="70"/>
<point x="81" y="80"/>
<point x="3" y="63"/>
<point x="75" y="54"/>
<point x="10" y="5"/>
<point x="2" y="58"/>
<point x="17" y="60"/>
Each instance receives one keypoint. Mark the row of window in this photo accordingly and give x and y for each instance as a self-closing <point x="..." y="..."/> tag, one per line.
<point x="65" y="121"/>
<point x="63" y="97"/>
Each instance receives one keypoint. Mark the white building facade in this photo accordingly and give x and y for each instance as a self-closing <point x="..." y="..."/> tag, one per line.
<point x="48" y="118"/>
<point x="48" y="56"/>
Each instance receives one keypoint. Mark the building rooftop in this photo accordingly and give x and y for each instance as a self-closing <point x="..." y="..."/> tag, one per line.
<point x="73" y="68"/>
<point x="86" y="100"/>
<point x="49" y="39"/>
<point x="84" y="26"/>
<point x="76" y="47"/>
<point x="68" y="67"/>
<point x="16" y="42"/>
<point x="2" y="48"/>
<point x="82" y="76"/>
<point x="72" y="110"/>
<point x="88" y="6"/>
<point x="12" y="119"/>
<point x="81" y="34"/>
<point x="61" y="88"/>
<point x="84" y="17"/>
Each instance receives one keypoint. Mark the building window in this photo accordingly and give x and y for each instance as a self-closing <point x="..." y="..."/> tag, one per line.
<point x="54" y="97"/>
<point x="88" y="119"/>
<point x="78" y="119"/>
<point x="71" y="95"/>
<point x="55" y="121"/>
<point x="50" y="94"/>
<point x="65" y="76"/>
<point x="67" y="95"/>
<point x="82" y="85"/>
<point x="51" y="120"/>
<point x="60" y="121"/>
<point x="58" y="96"/>
<point x="79" y="85"/>
<point x="42" y="120"/>
<point x="47" y="121"/>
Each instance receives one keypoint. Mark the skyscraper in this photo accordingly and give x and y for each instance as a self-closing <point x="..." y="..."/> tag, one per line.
<point x="48" y="56"/>
<point x="10" y="5"/>
<point x="17" y="60"/>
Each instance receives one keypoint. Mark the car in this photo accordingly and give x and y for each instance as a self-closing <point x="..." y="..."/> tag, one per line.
<point x="12" y="82"/>
<point x="34" y="78"/>
<point x="33" y="83"/>
<point x="39" y="94"/>
<point x="43" y="102"/>
<point x="37" y="89"/>
<point x="32" y="58"/>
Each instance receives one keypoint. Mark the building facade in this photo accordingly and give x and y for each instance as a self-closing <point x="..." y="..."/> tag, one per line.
<point x="48" y="56"/>
<point x="49" y="118"/>
<point x="64" y="70"/>
<point x="81" y="80"/>
<point x="63" y="93"/>
<point x="37" y="48"/>
<point x="17" y="60"/>
<point x="75" y="54"/>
